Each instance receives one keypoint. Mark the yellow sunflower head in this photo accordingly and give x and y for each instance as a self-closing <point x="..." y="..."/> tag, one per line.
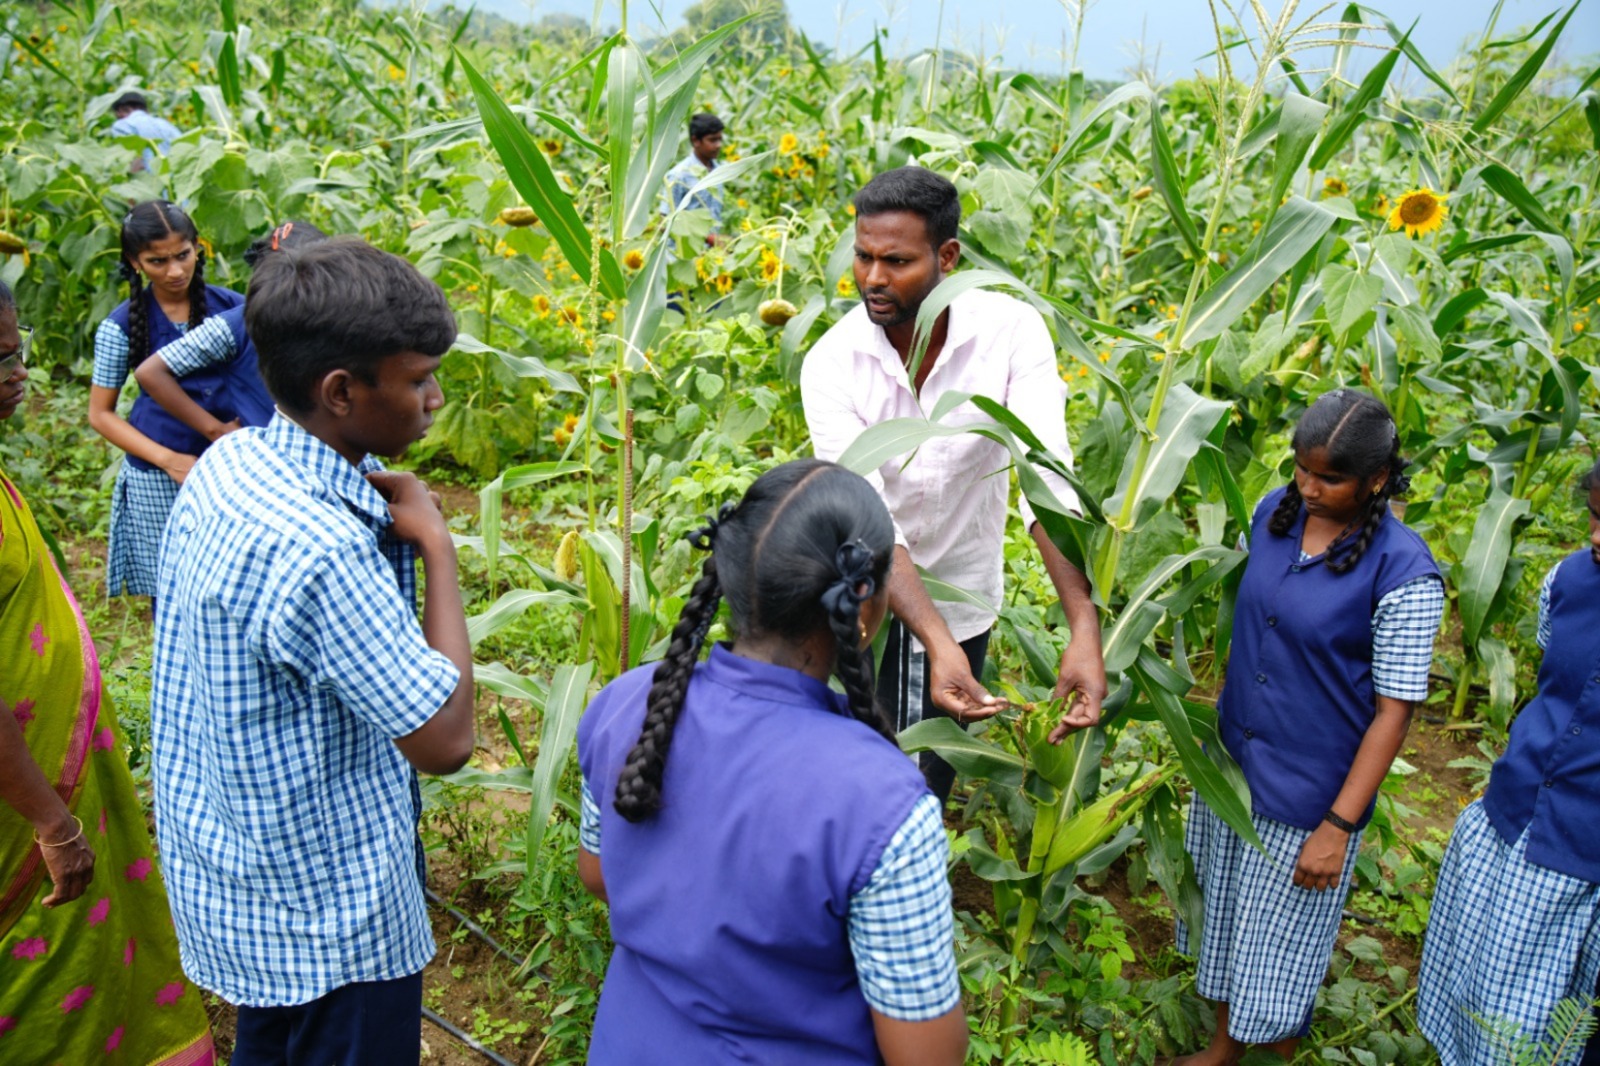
<point x="1381" y="205"/>
<point x="769" y="269"/>
<point x="633" y="259"/>
<point x="787" y="144"/>
<point x="1334" y="187"/>
<point x="1419" y="211"/>
<point x="847" y="286"/>
<point x="724" y="283"/>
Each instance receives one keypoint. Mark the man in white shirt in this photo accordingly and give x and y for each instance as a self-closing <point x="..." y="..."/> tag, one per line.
<point x="950" y="502"/>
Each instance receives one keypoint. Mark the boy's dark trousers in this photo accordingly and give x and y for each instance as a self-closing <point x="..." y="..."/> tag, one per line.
<point x="903" y="683"/>
<point x="370" y="1023"/>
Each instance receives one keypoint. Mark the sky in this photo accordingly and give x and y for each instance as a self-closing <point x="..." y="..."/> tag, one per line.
<point x="1029" y="34"/>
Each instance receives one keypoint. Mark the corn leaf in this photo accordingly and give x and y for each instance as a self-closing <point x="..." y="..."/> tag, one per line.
<point x="569" y="694"/>
<point x="1477" y="578"/>
<point x="1169" y="181"/>
<point x="1510" y="188"/>
<point x="1355" y="109"/>
<point x="1522" y="78"/>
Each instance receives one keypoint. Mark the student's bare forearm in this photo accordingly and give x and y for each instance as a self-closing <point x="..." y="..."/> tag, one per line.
<point x="914" y="608"/>
<point x="1384" y="738"/>
<point x="104" y="420"/>
<point x="23" y="786"/>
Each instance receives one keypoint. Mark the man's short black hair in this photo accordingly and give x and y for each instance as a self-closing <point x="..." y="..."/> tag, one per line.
<point x="339" y="305"/>
<point x="130" y="99"/>
<point x="704" y="125"/>
<point x="919" y="191"/>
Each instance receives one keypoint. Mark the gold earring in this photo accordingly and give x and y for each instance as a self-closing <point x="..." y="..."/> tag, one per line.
<point x="863" y="631"/>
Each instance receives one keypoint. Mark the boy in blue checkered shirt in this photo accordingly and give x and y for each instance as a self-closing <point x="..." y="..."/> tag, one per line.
<point x="294" y="691"/>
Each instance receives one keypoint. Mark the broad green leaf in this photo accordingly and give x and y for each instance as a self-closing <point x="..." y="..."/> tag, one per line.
<point x="972" y="756"/>
<point x="523" y="366"/>
<point x="1522" y="78"/>
<point x="1229" y="804"/>
<point x="1299" y="120"/>
<point x="1117" y="99"/>
<point x="510" y="607"/>
<point x="1510" y="188"/>
<point x="532" y="177"/>
<point x="945" y="592"/>
<point x="628" y="94"/>
<point x="1300" y="224"/>
<point x="1524" y="318"/>
<point x="1348" y="296"/>
<point x="503" y="681"/>
<point x="490" y="496"/>
<point x="1456" y="309"/>
<point x="1169" y="181"/>
<point x="569" y="694"/>
<point x="1404" y="43"/>
<point x="1502" y="674"/>
<point x="1413" y="324"/>
<point x="1187" y="419"/>
<point x="1355" y="109"/>
<point x="1138" y="617"/>
<point x="359" y="80"/>
<point x="883" y="441"/>
<point x="1477" y="577"/>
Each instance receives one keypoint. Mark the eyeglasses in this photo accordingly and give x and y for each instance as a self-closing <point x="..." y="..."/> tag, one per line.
<point x="18" y="358"/>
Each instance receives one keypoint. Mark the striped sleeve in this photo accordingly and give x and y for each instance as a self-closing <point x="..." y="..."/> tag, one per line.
<point x="1403" y="630"/>
<point x="1543" y="635"/>
<point x="589" y="822"/>
<point x="902" y="928"/>
<point x="110" y="356"/>
<point x="211" y="343"/>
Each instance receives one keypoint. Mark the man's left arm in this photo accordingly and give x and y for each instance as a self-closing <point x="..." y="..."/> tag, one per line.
<point x="1036" y="394"/>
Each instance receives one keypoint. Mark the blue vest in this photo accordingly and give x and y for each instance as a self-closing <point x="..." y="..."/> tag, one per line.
<point x="1298" y="696"/>
<point x="729" y="906"/>
<point x="1548" y="781"/>
<point x="208" y="387"/>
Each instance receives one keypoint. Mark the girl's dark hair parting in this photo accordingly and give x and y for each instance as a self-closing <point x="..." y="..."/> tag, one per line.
<point x="809" y="543"/>
<point x="1591" y="479"/>
<point x="152" y="221"/>
<point x="1360" y="438"/>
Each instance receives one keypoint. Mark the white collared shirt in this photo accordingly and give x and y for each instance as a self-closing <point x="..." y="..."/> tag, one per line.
<point x="948" y="506"/>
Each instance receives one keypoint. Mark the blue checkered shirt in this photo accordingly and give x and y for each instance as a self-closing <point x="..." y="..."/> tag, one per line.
<point x="901" y="924"/>
<point x="142" y="123"/>
<point x="211" y="343"/>
<point x="681" y="178"/>
<point x="1543" y="633"/>
<point x="288" y="658"/>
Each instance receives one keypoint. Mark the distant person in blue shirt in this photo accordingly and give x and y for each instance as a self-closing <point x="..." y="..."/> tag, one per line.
<point x="135" y="120"/>
<point x="293" y="690"/>
<point x="1515" y="924"/>
<point x="705" y="145"/>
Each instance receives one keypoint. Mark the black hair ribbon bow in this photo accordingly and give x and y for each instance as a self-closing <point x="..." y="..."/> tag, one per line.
<point x="704" y="537"/>
<point x="855" y="562"/>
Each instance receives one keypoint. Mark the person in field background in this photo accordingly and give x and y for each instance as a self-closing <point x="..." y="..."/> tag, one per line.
<point x="133" y="119"/>
<point x="949" y="510"/>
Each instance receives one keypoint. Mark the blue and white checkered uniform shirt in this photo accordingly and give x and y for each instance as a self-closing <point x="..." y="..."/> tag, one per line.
<point x="901" y="924"/>
<point x="683" y="176"/>
<point x="288" y="659"/>
<point x="210" y="344"/>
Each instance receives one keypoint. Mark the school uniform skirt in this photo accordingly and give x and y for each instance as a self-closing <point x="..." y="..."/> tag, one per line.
<point x="1266" y="943"/>
<point x="141" y="500"/>
<point x="1507" y="940"/>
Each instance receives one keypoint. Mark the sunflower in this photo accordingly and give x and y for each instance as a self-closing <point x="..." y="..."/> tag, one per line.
<point x="1419" y="211"/>
<point x="787" y="144"/>
<point x="550" y="147"/>
<point x="769" y="269"/>
<point x="724" y="283"/>
<point x="846" y="287"/>
<point x="1334" y="187"/>
<point x="1380" y="206"/>
<point x="633" y="259"/>
<point x="541" y="304"/>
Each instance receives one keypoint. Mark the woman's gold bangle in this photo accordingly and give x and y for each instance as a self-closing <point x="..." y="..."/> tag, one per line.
<point x="62" y="843"/>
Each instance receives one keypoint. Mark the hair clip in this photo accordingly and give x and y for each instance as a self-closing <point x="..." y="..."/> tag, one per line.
<point x="281" y="233"/>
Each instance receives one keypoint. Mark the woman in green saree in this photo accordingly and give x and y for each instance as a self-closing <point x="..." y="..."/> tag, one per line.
<point x="89" y="966"/>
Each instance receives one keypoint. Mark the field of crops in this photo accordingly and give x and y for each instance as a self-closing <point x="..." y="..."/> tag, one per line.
<point x="1211" y="255"/>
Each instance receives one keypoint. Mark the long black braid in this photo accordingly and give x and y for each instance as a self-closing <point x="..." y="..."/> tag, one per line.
<point x="639" y="786"/>
<point x="1359" y="438"/>
<point x="829" y="553"/>
<point x="146" y="223"/>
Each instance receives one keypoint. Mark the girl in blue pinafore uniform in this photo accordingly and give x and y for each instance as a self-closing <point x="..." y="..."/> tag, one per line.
<point x="208" y="378"/>
<point x="768" y="909"/>
<point x="1515" y="924"/>
<point x="168" y="295"/>
<point x="1333" y="637"/>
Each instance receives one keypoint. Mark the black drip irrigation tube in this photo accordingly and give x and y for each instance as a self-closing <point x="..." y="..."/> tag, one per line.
<point x="476" y="930"/>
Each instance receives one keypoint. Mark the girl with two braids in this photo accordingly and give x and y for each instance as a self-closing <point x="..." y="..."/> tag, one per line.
<point x="773" y="864"/>
<point x="1333" y="637"/>
<point x="164" y="266"/>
